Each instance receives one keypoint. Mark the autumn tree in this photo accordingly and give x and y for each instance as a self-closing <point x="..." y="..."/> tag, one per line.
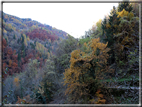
<point x="9" y="60"/>
<point x="25" y="40"/>
<point x="4" y="44"/>
<point x="41" y="49"/>
<point x="87" y="69"/>
<point x="28" y="38"/>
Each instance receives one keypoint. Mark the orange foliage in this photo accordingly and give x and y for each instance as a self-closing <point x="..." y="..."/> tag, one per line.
<point x="86" y="68"/>
<point x="9" y="51"/>
<point x="37" y="58"/>
<point x="100" y="98"/>
<point x="14" y="52"/>
<point x="25" y="100"/>
<point x="4" y="43"/>
<point x="16" y="81"/>
<point x="14" y="64"/>
<point x="10" y="62"/>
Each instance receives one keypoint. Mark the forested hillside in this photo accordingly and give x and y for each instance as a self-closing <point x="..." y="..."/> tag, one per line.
<point x="44" y="65"/>
<point x="24" y="39"/>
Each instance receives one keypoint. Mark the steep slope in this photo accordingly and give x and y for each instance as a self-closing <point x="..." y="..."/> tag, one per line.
<point x="25" y="39"/>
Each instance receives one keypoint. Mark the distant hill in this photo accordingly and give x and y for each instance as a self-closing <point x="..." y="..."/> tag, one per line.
<point x="25" y="39"/>
<point x="28" y="25"/>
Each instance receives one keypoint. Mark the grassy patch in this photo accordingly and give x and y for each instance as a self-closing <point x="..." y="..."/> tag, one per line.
<point x="120" y="80"/>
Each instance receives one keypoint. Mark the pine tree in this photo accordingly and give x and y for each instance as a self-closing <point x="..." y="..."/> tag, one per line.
<point x="18" y="40"/>
<point x="23" y="53"/>
<point x="14" y="37"/>
<point x="125" y="5"/>
<point x="22" y="38"/>
<point x="104" y="22"/>
<point x="23" y="47"/>
<point x="6" y="40"/>
<point x="109" y="30"/>
<point x="19" y="58"/>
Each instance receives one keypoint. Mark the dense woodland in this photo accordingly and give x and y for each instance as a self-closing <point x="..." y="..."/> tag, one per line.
<point x="44" y="65"/>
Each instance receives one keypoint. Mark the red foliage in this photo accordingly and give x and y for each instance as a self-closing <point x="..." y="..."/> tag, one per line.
<point x="4" y="66"/>
<point x="37" y="58"/>
<point x="4" y="43"/>
<point x="14" y="57"/>
<point x="41" y="34"/>
<point x="9" y="60"/>
<point x="30" y="55"/>
<point x="9" y="51"/>
<point x="14" y="52"/>
<point x="14" y="65"/>
<point x="22" y="60"/>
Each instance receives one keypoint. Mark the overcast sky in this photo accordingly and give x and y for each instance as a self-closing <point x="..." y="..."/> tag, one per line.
<point x="73" y="18"/>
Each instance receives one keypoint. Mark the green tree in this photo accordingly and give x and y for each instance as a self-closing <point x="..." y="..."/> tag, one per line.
<point x="19" y="58"/>
<point x="14" y="37"/>
<point x="109" y="30"/>
<point x="63" y="53"/>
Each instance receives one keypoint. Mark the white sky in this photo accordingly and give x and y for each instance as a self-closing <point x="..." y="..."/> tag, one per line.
<point x="73" y="18"/>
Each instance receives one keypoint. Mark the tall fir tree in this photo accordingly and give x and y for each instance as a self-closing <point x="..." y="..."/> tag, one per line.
<point x="109" y="30"/>
<point x="22" y="38"/>
<point x="19" y="58"/>
<point x="14" y="37"/>
<point x="125" y="5"/>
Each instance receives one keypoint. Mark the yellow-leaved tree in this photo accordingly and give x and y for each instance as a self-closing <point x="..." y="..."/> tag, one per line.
<point x="126" y="35"/>
<point x="86" y="71"/>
